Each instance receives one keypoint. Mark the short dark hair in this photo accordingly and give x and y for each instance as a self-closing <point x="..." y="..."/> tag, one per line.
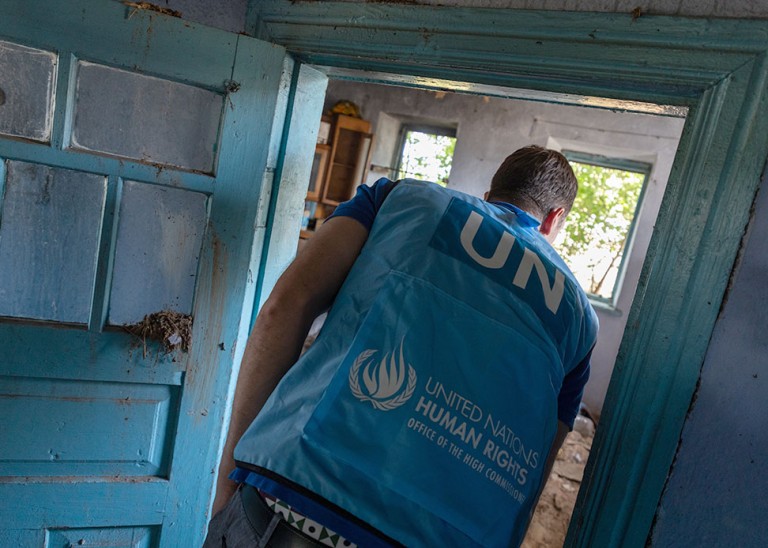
<point x="535" y="179"/>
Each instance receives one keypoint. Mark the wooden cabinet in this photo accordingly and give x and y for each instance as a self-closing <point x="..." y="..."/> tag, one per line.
<point x="338" y="168"/>
<point x="350" y="156"/>
<point x="317" y="175"/>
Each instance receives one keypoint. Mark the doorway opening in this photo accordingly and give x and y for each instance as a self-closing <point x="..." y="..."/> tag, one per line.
<point x="622" y="160"/>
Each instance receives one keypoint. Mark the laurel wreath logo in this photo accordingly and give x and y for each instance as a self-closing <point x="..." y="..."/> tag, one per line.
<point x="383" y="405"/>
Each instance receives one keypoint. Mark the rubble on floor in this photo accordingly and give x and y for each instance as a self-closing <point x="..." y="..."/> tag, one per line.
<point x="553" y="513"/>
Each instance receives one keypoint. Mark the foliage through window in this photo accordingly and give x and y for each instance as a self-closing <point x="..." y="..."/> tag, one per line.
<point x="426" y="153"/>
<point x="599" y="228"/>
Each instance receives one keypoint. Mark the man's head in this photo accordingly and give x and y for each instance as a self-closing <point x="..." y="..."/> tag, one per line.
<point x="539" y="181"/>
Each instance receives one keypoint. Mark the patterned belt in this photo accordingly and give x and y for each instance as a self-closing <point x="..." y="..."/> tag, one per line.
<point x="311" y="528"/>
<point x="274" y="530"/>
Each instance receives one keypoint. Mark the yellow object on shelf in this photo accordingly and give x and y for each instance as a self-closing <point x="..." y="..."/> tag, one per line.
<point x="348" y="108"/>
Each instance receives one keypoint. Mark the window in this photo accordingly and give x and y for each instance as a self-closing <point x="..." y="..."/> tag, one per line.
<point x="597" y="237"/>
<point x="426" y="153"/>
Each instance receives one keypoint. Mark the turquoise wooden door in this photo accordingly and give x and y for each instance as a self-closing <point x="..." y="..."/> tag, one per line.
<point x="134" y="148"/>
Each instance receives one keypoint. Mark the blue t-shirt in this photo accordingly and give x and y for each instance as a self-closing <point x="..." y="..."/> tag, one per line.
<point x="363" y="208"/>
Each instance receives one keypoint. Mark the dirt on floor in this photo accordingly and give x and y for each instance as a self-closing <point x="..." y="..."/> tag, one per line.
<point x="550" y="521"/>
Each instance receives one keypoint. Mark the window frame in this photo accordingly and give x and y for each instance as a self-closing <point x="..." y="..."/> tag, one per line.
<point x="622" y="164"/>
<point x="405" y="128"/>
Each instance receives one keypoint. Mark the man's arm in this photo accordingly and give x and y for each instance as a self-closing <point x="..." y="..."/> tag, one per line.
<point x="305" y="290"/>
<point x="557" y="443"/>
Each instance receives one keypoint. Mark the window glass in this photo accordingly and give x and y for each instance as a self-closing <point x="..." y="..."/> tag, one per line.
<point x="27" y="85"/>
<point x="427" y="154"/>
<point x="598" y="230"/>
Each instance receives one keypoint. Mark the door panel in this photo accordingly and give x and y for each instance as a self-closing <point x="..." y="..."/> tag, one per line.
<point x="125" y="435"/>
<point x="49" y="236"/>
<point x="31" y="91"/>
<point x="121" y="537"/>
<point x="133" y="150"/>
<point x="156" y="120"/>
<point x="99" y="503"/>
<point x="157" y="251"/>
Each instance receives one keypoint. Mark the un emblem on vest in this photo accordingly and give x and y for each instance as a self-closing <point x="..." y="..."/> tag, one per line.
<point x="384" y="382"/>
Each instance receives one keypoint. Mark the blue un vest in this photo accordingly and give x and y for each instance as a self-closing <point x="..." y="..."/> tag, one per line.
<point x="428" y="403"/>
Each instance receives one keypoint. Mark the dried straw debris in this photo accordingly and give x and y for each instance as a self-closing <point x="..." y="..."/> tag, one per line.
<point x="172" y="329"/>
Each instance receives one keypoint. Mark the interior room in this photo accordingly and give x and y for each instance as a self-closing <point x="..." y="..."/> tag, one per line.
<point x="487" y="129"/>
<point x="160" y="165"/>
<point x="380" y="126"/>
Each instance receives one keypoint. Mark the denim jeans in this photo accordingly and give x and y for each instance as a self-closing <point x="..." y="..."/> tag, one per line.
<point x="230" y="527"/>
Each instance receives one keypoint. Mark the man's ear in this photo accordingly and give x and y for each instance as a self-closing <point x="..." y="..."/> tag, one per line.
<point x="552" y="223"/>
<point x="485" y="196"/>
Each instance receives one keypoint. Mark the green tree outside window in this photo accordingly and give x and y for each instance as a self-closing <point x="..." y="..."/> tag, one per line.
<point x="427" y="156"/>
<point x="598" y="228"/>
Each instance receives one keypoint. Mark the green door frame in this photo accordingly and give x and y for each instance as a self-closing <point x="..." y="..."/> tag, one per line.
<point x="715" y="68"/>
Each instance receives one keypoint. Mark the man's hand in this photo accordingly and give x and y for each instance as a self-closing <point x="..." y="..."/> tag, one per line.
<point x="305" y="290"/>
<point x="557" y="443"/>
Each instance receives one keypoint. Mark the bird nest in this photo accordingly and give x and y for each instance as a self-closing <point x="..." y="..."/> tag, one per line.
<point x="171" y="329"/>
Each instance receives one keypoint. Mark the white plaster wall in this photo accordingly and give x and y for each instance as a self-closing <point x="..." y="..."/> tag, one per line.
<point x="489" y="128"/>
